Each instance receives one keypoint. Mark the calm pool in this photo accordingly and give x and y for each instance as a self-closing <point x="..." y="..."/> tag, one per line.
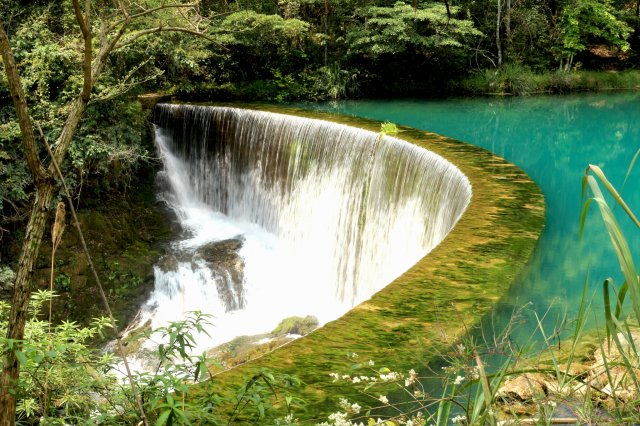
<point x="552" y="138"/>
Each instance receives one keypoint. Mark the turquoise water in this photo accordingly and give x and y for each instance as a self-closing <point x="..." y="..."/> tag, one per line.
<point x="553" y="139"/>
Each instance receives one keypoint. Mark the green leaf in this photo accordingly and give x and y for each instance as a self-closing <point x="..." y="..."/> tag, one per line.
<point x="21" y="357"/>
<point x="162" y="420"/>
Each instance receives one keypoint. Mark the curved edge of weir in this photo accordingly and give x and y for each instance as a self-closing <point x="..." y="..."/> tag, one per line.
<point x="431" y="305"/>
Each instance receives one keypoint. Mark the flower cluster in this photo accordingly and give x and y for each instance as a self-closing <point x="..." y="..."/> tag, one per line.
<point x="411" y="380"/>
<point x="349" y="407"/>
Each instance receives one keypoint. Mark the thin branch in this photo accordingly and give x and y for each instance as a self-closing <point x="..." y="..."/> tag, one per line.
<point x="150" y="11"/>
<point x="143" y="33"/>
<point x="99" y="283"/>
<point x="123" y="8"/>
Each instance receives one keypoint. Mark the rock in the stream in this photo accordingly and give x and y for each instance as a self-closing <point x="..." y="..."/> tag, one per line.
<point x="168" y="263"/>
<point x="227" y="266"/>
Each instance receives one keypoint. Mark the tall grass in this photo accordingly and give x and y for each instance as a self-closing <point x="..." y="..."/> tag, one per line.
<point x="514" y="79"/>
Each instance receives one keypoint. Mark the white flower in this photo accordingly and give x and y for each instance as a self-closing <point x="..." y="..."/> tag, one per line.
<point x="344" y="404"/>
<point x="412" y="378"/>
<point x="458" y="419"/>
<point x="334" y="376"/>
<point x="383" y="399"/>
<point x="355" y="380"/>
<point x="371" y="363"/>
<point x="458" y="380"/>
<point x="460" y="348"/>
<point x="474" y="372"/>
<point x="339" y="419"/>
<point x="355" y="408"/>
<point x="390" y="376"/>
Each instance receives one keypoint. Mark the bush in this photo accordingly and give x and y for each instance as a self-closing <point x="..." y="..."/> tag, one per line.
<point x="519" y="80"/>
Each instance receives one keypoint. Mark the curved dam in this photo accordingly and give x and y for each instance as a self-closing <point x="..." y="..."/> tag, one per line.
<point x="318" y="216"/>
<point x="380" y="238"/>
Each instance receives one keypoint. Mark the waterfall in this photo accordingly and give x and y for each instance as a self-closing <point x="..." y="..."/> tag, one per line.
<point x="290" y="216"/>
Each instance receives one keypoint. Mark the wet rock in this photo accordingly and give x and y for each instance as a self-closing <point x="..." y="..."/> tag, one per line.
<point x="227" y="266"/>
<point x="245" y="348"/>
<point x="223" y="253"/>
<point x="168" y="263"/>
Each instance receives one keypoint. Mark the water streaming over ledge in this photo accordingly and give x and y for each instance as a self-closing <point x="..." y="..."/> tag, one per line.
<point x="290" y="216"/>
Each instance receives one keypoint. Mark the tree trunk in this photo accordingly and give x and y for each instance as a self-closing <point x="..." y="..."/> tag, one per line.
<point x="637" y="24"/>
<point x="20" y="103"/>
<point x="326" y="31"/>
<point x="507" y="23"/>
<point x="45" y="189"/>
<point x="21" y="296"/>
<point x="498" y="40"/>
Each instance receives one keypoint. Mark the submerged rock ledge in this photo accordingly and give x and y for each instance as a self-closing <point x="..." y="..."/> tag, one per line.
<point x="431" y="305"/>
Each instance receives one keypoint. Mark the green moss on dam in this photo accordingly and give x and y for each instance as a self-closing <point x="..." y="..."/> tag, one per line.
<point x="432" y="304"/>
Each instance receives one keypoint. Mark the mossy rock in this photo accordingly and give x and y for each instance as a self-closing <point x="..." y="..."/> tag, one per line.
<point x="295" y="325"/>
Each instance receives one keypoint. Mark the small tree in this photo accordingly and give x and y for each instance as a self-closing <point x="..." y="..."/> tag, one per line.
<point x="103" y="32"/>
<point x="585" y="20"/>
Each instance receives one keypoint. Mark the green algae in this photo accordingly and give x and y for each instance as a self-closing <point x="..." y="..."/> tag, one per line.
<point x="432" y="304"/>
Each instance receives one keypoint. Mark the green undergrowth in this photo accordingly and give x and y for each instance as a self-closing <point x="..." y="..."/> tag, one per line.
<point x="519" y="80"/>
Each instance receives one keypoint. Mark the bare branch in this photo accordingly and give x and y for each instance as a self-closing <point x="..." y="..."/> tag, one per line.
<point x="114" y="326"/>
<point x="123" y="8"/>
<point x="20" y="102"/>
<point x="143" y="33"/>
<point x="150" y="11"/>
<point x="81" y="19"/>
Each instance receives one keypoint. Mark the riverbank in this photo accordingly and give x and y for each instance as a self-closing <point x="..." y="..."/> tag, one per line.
<point x="516" y="80"/>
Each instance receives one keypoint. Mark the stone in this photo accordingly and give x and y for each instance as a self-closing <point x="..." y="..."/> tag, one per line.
<point x="618" y="379"/>
<point x="227" y="266"/>
<point x="168" y="263"/>
<point x="525" y="387"/>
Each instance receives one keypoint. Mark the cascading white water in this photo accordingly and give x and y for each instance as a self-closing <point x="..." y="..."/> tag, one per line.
<point x="322" y="216"/>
